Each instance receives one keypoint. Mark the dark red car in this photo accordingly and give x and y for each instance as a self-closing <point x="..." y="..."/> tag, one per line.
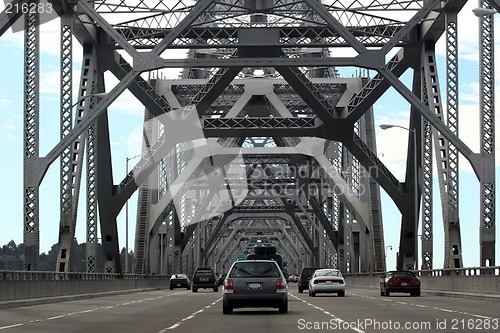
<point x="399" y="282"/>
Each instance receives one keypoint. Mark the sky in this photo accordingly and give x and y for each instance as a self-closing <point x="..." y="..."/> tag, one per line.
<point x="126" y="115"/>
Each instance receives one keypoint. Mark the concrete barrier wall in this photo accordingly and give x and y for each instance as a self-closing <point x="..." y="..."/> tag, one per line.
<point x="33" y="285"/>
<point x="22" y="285"/>
<point x="484" y="280"/>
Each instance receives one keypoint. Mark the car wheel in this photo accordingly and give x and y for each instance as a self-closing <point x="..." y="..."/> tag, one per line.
<point x="312" y="293"/>
<point x="341" y="293"/>
<point x="195" y="290"/>
<point x="417" y="293"/>
<point x="283" y="308"/>
<point x="226" y="309"/>
<point x="382" y="292"/>
<point x="387" y="293"/>
<point x="171" y="288"/>
<point x="188" y="288"/>
<point x="300" y="290"/>
<point x="216" y="289"/>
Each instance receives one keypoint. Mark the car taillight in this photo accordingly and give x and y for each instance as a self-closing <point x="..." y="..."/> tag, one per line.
<point x="300" y="280"/>
<point x="228" y="286"/>
<point x="280" y="286"/>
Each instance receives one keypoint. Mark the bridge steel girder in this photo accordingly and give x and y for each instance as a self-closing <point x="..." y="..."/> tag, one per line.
<point x="426" y="26"/>
<point x="32" y="161"/>
<point x="487" y="136"/>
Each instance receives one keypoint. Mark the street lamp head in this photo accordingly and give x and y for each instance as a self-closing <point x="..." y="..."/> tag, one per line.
<point x="480" y="12"/>
<point x="386" y="126"/>
<point x="102" y="94"/>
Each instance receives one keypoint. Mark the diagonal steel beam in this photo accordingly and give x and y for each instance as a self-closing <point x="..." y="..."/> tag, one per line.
<point x="376" y="87"/>
<point x="325" y="223"/>
<point x="305" y="89"/>
<point x="410" y="25"/>
<point x="322" y="12"/>
<point x="88" y="8"/>
<point x="425" y="112"/>
<point x="127" y="80"/>
<point x="9" y="16"/>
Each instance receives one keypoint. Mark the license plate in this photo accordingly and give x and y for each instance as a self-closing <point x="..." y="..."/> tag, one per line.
<point x="203" y="279"/>
<point x="178" y="284"/>
<point x="254" y="286"/>
<point x="328" y="282"/>
<point x="404" y="284"/>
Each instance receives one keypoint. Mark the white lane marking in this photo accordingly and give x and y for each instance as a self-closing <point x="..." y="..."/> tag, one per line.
<point x="340" y="320"/>
<point x="479" y="316"/>
<point x="10" y="326"/>
<point x="434" y="307"/>
<point x="55" y="317"/>
<point x="445" y="310"/>
<point x="191" y="316"/>
<point x="84" y="311"/>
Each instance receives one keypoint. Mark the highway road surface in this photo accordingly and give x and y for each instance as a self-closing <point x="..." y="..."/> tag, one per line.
<point x="181" y="311"/>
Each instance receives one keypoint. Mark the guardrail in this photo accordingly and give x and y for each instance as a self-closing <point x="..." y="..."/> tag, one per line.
<point x="480" y="280"/>
<point x="20" y="285"/>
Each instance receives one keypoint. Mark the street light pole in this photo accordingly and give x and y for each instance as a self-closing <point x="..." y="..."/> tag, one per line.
<point x="386" y="248"/>
<point x="415" y="184"/>
<point x="127" y="159"/>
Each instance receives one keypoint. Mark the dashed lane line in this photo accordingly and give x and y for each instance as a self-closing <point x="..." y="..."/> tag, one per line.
<point x="191" y="316"/>
<point x="338" y="319"/>
<point x="85" y="311"/>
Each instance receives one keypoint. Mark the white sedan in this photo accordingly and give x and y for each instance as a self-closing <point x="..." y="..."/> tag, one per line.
<point x="327" y="281"/>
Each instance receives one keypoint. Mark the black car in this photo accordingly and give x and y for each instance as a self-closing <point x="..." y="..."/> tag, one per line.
<point x="179" y="281"/>
<point x="221" y="279"/>
<point x="204" y="277"/>
<point x="305" y="276"/>
<point x="255" y="283"/>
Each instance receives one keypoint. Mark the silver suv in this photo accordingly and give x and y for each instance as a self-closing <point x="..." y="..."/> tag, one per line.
<point x="255" y="283"/>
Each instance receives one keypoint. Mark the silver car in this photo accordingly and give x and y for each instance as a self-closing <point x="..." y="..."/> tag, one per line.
<point x="255" y="283"/>
<point x="327" y="281"/>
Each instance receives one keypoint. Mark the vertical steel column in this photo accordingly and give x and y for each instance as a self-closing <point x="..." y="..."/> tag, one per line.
<point x="452" y="122"/>
<point x="68" y="204"/>
<point x="426" y="143"/>
<point x="487" y="137"/>
<point x="427" y="195"/>
<point x="141" y="248"/>
<point x="31" y="232"/>
<point x="453" y="243"/>
<point x="88" y="86"/>
<point x="376" y="250"/>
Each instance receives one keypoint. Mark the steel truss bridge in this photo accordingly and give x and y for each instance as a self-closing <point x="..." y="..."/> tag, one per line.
<point x="260" y="140"/>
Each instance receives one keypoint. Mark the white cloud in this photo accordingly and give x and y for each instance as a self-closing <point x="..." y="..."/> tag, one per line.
<point x="12" y="137"/>
<point x="5" y="102"/>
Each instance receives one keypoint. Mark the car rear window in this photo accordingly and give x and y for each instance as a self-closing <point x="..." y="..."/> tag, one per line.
<point x="308" y="272"/>
<point x="254" y="269"/>
<point x="328" y="273"/>
<point x="400" y="273"/>
<point x="204" y="272"/>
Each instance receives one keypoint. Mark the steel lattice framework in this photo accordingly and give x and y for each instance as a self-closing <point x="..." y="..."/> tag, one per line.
<point x="260" y="87"/>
